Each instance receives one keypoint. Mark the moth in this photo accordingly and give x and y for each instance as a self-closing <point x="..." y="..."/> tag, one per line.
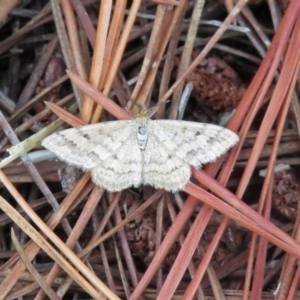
<point x="121" y="154"/>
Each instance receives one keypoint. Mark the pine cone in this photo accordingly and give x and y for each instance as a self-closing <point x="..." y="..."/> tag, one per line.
<point x="216" y="84"/>
<point x="286" y="194"/>
<point x="141" y="231"/>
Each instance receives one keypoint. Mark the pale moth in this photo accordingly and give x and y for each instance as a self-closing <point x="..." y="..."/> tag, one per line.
<point x="121" y="154"/>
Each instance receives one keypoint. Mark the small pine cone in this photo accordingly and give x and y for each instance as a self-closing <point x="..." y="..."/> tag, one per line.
<point x="141" y="231"/>
<point x="286" y="194"/>
<point x="216" y="84"/>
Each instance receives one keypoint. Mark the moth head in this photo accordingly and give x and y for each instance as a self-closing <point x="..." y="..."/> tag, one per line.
<point x="144" y="112"/>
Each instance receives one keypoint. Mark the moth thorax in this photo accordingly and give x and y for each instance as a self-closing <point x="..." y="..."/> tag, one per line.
<point x="142" y="136"/>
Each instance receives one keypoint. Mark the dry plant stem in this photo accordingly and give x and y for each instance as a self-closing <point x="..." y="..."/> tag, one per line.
<point x="38" y="203"/>
<point x="82" y="195"/>
<point x="256" y="36"/>
<point x="6" y="103"/>
<point x="32" y="171"/>
<point x="40" y="19"/>
<point x="229" y="5"/>
<point x="96" y="239"/>
<point x="238" y="53"/>
<point x="246" y="12"/>
<point x="162" y="13"/>
<point x="65" y="115"/>
<point x="129" y="217"/>
<point x="36" y="118"/>
<point x="279" y="94"/>
<point x="107" y="269"/>
<point x="181" y="238"/>
<point x="74" y="38"/>
<point x="158" y="238"/>
<point x="133" y="59"/>
<point x="110" y="49"/>
<point x="65" y="45"/>
<point x="7" y="6"/>
<point x="208" y="47"/>
<point x="261" y="259"/>
<point x="238" y="209"/>
<point x="86" y="22"/>
<point x="68" y="281"/>
<point x="98" y="97"/>
<point x="275" y="13"/>
<point x="170" y="2"/>
<point x="112" y="40"/>
<point x="278" y="43"/>
<point x="65" y="285"/>
<point x="38" y="239"/>
<point x="121" y="88"/>
<point x="38" y="278"/>
<point x="147" y="84"/>
<point x="197" y="278"/>
<point x="125" y="247"/>
<point x="138" y="32"/>
<point x="119" y="52"/>
<point x="288" y="274"/>
<point x="258" y="226"/>
<point x="287" y="148"/>
<point x="83" y="219"/>
<point x="166" y="245"/>
<point x="30" y="248"/>
<point x="269" y="179"/>
<point x="26" y="178"/>
<point x="23" y="291"/>
<point x="167" y="68"/>
<point x="45" y="229"/>
<point x="105" y="262"/>
<point x="169" y="63"/>
<point x="111" y="198"/>
<point x="246" y="111"/>
<point x="185" y="255"/>
<point x="101" y="225"/>
<point x="37" y="98"/>
<point x="275" y="270"/>
<point x="295" y="107"/>
<point x="207" y="258"/>
<point x="247" y="223"/>
<point x="98" y="56"/>
<point x="37" y="74"/>
<point x="189" y="293"/>
<point x="229" y="267"/>
<point x="294" y="286"/>
<point x="186" y="55"/>
<point x="123" y="278"/>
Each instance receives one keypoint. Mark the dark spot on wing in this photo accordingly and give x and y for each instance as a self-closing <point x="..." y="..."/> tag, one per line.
<point x="192" y="152"/>
<point x="212" y="139"/>
<point x="85" y="135"/>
